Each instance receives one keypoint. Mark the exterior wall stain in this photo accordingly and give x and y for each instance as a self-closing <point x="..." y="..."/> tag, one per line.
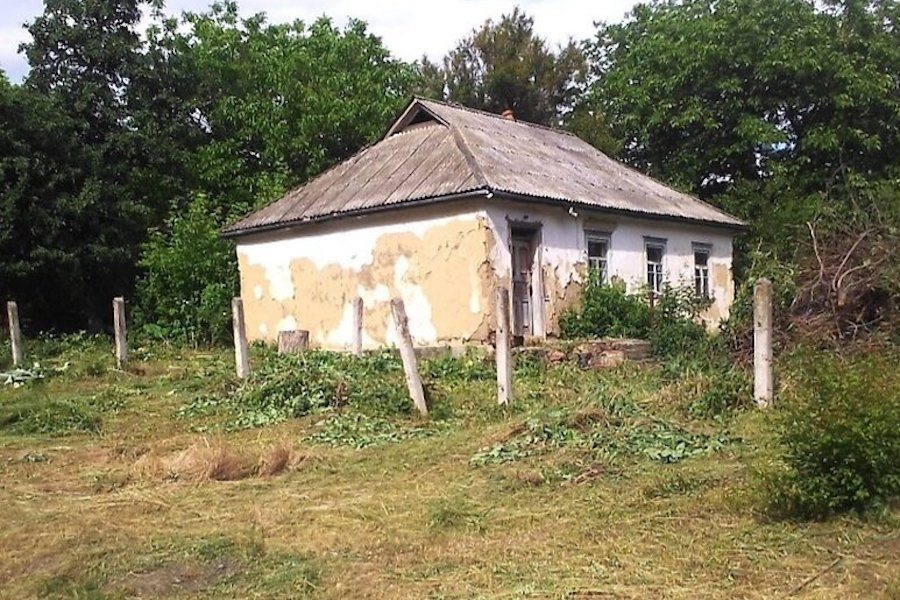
<point x="442" y="273"/>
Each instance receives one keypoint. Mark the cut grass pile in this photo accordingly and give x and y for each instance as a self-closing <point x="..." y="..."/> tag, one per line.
<point x="213" y="460"/>
<point x="590" y="485"/>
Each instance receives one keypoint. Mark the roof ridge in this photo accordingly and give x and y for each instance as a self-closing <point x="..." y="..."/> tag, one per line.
<point x="458" y="106"/>
<point x="477" y="171"/>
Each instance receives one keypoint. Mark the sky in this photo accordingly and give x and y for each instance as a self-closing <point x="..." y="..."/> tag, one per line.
<point x="409" y="28"/>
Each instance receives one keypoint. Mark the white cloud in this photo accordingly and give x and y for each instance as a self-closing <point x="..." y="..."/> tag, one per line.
<point x="409" y="28"/>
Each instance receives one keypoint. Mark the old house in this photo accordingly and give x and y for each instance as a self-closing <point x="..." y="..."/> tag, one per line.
<point x="453" y="202"/>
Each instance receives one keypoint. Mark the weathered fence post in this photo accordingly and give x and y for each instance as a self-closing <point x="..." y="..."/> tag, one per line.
<point x="763" y="385"/>
<point x="408" y="354"/>
<point x="241" y="354"/>
<point x="357" y="325"/>
<point x="119" y="329"/>
<point x="502" y="354"/>
<point x="15" y="334"/>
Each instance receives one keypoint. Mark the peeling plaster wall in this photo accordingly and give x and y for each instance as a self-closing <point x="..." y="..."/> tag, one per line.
<point x="435" y="258"/>
<point x="445" y="261"/>
<point x="563" y="255"/>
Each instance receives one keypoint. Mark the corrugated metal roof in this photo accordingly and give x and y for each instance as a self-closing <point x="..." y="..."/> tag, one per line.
<point x="436" y="150"/>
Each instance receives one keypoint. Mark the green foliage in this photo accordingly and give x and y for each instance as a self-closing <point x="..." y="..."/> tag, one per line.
<point x="73" y="213"/>
<point x="673" y="326"/>
<point x="606" y="311"/>
<point x="283" y="387"/>
<point x="706" y="93"/>
<point x="612" y="429"/>
<point x="725" y="387"/>
<point x="676" y="328"/>
<point x="358" y="431"/>
<point x="113" y="135"/>
<point x="471" y="366"/>
<point x="190" y="277"/>
<point x="366" y="393"/>
<point x="839" y="431"/>
<point x="676" y="334"/>
<point x="505" y="65"/>
<point x="37" y="414"/>
<point x="277" y="103"/>
<point x="738" y="328"/>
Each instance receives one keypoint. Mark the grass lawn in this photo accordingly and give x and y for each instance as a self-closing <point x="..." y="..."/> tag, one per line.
<point x="150" y="483"/>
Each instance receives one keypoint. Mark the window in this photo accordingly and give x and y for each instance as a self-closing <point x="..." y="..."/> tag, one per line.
<point x="597" y="252"/>
<point x="701" y="270"/>
<point x="656" y="251"/>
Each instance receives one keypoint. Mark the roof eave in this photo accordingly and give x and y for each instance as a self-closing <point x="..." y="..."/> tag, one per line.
<point x="737" y="226"/>
<point x="287" y="225"/>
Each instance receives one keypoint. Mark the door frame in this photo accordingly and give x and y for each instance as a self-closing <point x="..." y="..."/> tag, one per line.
<point x="533" y="230"/>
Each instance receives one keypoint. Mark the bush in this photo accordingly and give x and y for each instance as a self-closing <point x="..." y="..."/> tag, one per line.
<point x="727" y="387"/>
<point x="190" y="278"/>
<point x="840" y="434"/>
<point x="675" y="328"/>
<point x="39" y="415"/>
<point x="606" y="311"/>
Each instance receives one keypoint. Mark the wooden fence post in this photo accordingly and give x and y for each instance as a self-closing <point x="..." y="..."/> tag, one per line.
<point x="763" y="384"/>
<point x="241" y="354"/>
<point x="408" y="354"/>
<point x="119" y="329"/>
<point x="357" y="325"/>
<point x="15" y="334"/>
<point x="501" y="353"/>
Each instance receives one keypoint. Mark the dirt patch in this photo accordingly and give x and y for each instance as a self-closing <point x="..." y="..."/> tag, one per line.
<point x="178" y="578"/>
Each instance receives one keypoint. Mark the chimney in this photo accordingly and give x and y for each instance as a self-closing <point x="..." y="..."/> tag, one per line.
<point x="508" y="114"/>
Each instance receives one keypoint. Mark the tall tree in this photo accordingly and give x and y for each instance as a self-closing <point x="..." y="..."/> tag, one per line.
<point x="113" y="136"/>
<point x="83" y="250"/>
<point x="712" y="93"/>
<point x="41" y="253"/>
<point x="506" y="65"/>
<point x="274" y="104"/>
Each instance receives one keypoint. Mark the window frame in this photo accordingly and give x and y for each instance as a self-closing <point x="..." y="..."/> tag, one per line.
<point x="701" y="273"/>
<point x="604" y="237"/>
<point x="658" y="281"/>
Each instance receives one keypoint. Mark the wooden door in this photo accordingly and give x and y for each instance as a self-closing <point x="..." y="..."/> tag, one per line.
<point x="522" y="260"/>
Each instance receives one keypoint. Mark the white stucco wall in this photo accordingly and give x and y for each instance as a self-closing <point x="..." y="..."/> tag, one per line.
<point x="563" y="252"/>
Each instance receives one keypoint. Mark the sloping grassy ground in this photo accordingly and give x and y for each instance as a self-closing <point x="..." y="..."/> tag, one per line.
<point x="315" y="481"/>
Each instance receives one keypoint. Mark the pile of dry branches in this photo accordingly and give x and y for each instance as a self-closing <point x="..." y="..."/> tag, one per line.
<point x="848" y="283"/>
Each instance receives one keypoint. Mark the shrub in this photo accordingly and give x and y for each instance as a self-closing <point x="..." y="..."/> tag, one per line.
<point x="189" y="280"/>
<point x="727" y="387"/>
<point x="606" y="311"/>
<point x="840" y="434"/>
<point x="675" y="328"/>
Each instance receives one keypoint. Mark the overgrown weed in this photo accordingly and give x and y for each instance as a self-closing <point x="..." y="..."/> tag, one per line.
<point x="838" y="429"/>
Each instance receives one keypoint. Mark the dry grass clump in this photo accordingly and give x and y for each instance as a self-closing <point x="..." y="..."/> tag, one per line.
<point x="274" y="460"/>
<point x="583" y="420"/>
<point x="213" y="460"/>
